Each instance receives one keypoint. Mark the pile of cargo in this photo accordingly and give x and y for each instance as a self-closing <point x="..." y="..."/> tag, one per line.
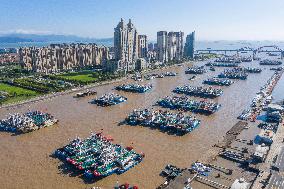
<point x="28" y="122"/>
<point x="218" y="81"/>
<point x="186" y="104"/>
<point x="135" y="88"/>
<point x="109" y="100"/>
<point x="98" y="157"/>
<point x="179" y="123"/>
<point x="270" y="62"/>
<point x="195" y="70"/>
<point x="234" y="73"/>
<point x="199" y="91"/>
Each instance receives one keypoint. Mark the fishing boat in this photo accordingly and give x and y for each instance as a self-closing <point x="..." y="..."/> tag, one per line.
<point x="270" y="62"/>
<point x="179" y="123"/>
<point x="109" y="100"/>
<point x="212" y="68"/>
<point x="229" y="59"/>
<point x="277" y="69"/>
<point x="192" y="78"/>
<point x="186" y="104"/>
<point x="137" y="77"/>
<point x="171" y="171"/>
<point x="135" y="88"/>
<point x="201" y="169"/>
<point x="234" y="73"/>
<point x="170" y="74"/>
<point x="27" y="122"/>
<point x="97" y="157"/>
<point x="195" y="70"/>
<point x="252" y="70"/>
<point x="84" y="94"/>
<point x="198" y="91"/>
<point x="218" y="81"/>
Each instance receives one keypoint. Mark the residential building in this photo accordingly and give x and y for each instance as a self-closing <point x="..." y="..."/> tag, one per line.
<point x="62" y="57"/>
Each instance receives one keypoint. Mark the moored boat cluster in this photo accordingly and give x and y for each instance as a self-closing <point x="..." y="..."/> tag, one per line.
<point x="234" y="73"/>
<point x="28" y="122"/>
<point x="195" y="70"/>
<point x="262" y="98"/>
<point x="199" y="91"/>
<point x="162" y="75"/>
<point x="229" y="59"/>
<point x="218" y="81"/>
<point x="252" y="70"/>
<point x="97" y="157"/>
<point x="222" y="64"/>
<point x="109" y="100"/>
<point x="186" y="104"/>
<point x="135" y="88"/>
<point x="179" y="123"/>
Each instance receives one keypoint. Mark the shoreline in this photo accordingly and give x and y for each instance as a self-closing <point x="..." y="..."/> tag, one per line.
<point x="86" y="87"/>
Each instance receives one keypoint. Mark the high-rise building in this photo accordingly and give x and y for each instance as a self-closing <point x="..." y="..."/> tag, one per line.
<point x="170" y="46"/>
<point x="142" y="46"/>
<point x="175" y="45"/>
<point x="189" y="45"/>
<point x="180" y="47"/>
<point x="150" y="47"/>
<point x="162" y="44"/>
<point x="126" y="44"/>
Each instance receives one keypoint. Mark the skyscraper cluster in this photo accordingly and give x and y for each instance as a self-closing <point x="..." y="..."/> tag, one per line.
<point x="130" y="52"/>
<point x="128" y="45"/>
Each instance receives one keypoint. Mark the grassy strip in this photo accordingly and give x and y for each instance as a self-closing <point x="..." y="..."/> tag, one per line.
<point x="16" y="94"/>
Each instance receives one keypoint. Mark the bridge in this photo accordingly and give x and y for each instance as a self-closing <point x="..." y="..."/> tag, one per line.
<point x="276" y="49"/>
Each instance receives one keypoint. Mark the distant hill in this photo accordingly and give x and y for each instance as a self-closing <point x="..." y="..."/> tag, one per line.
<point x="19" y="38"/>
<point x="7" y="39"/>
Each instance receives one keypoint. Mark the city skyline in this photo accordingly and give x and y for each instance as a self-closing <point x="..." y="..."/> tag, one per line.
<point x="257" y="20"/>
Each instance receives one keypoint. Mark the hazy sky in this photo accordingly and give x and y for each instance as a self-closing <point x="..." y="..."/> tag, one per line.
<point x="211" y="19"/>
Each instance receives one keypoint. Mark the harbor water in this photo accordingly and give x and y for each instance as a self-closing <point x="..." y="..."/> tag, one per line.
<point x="26" y="160"/>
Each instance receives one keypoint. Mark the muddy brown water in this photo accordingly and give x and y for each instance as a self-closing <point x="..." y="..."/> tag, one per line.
<point x="26" y="162"/>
